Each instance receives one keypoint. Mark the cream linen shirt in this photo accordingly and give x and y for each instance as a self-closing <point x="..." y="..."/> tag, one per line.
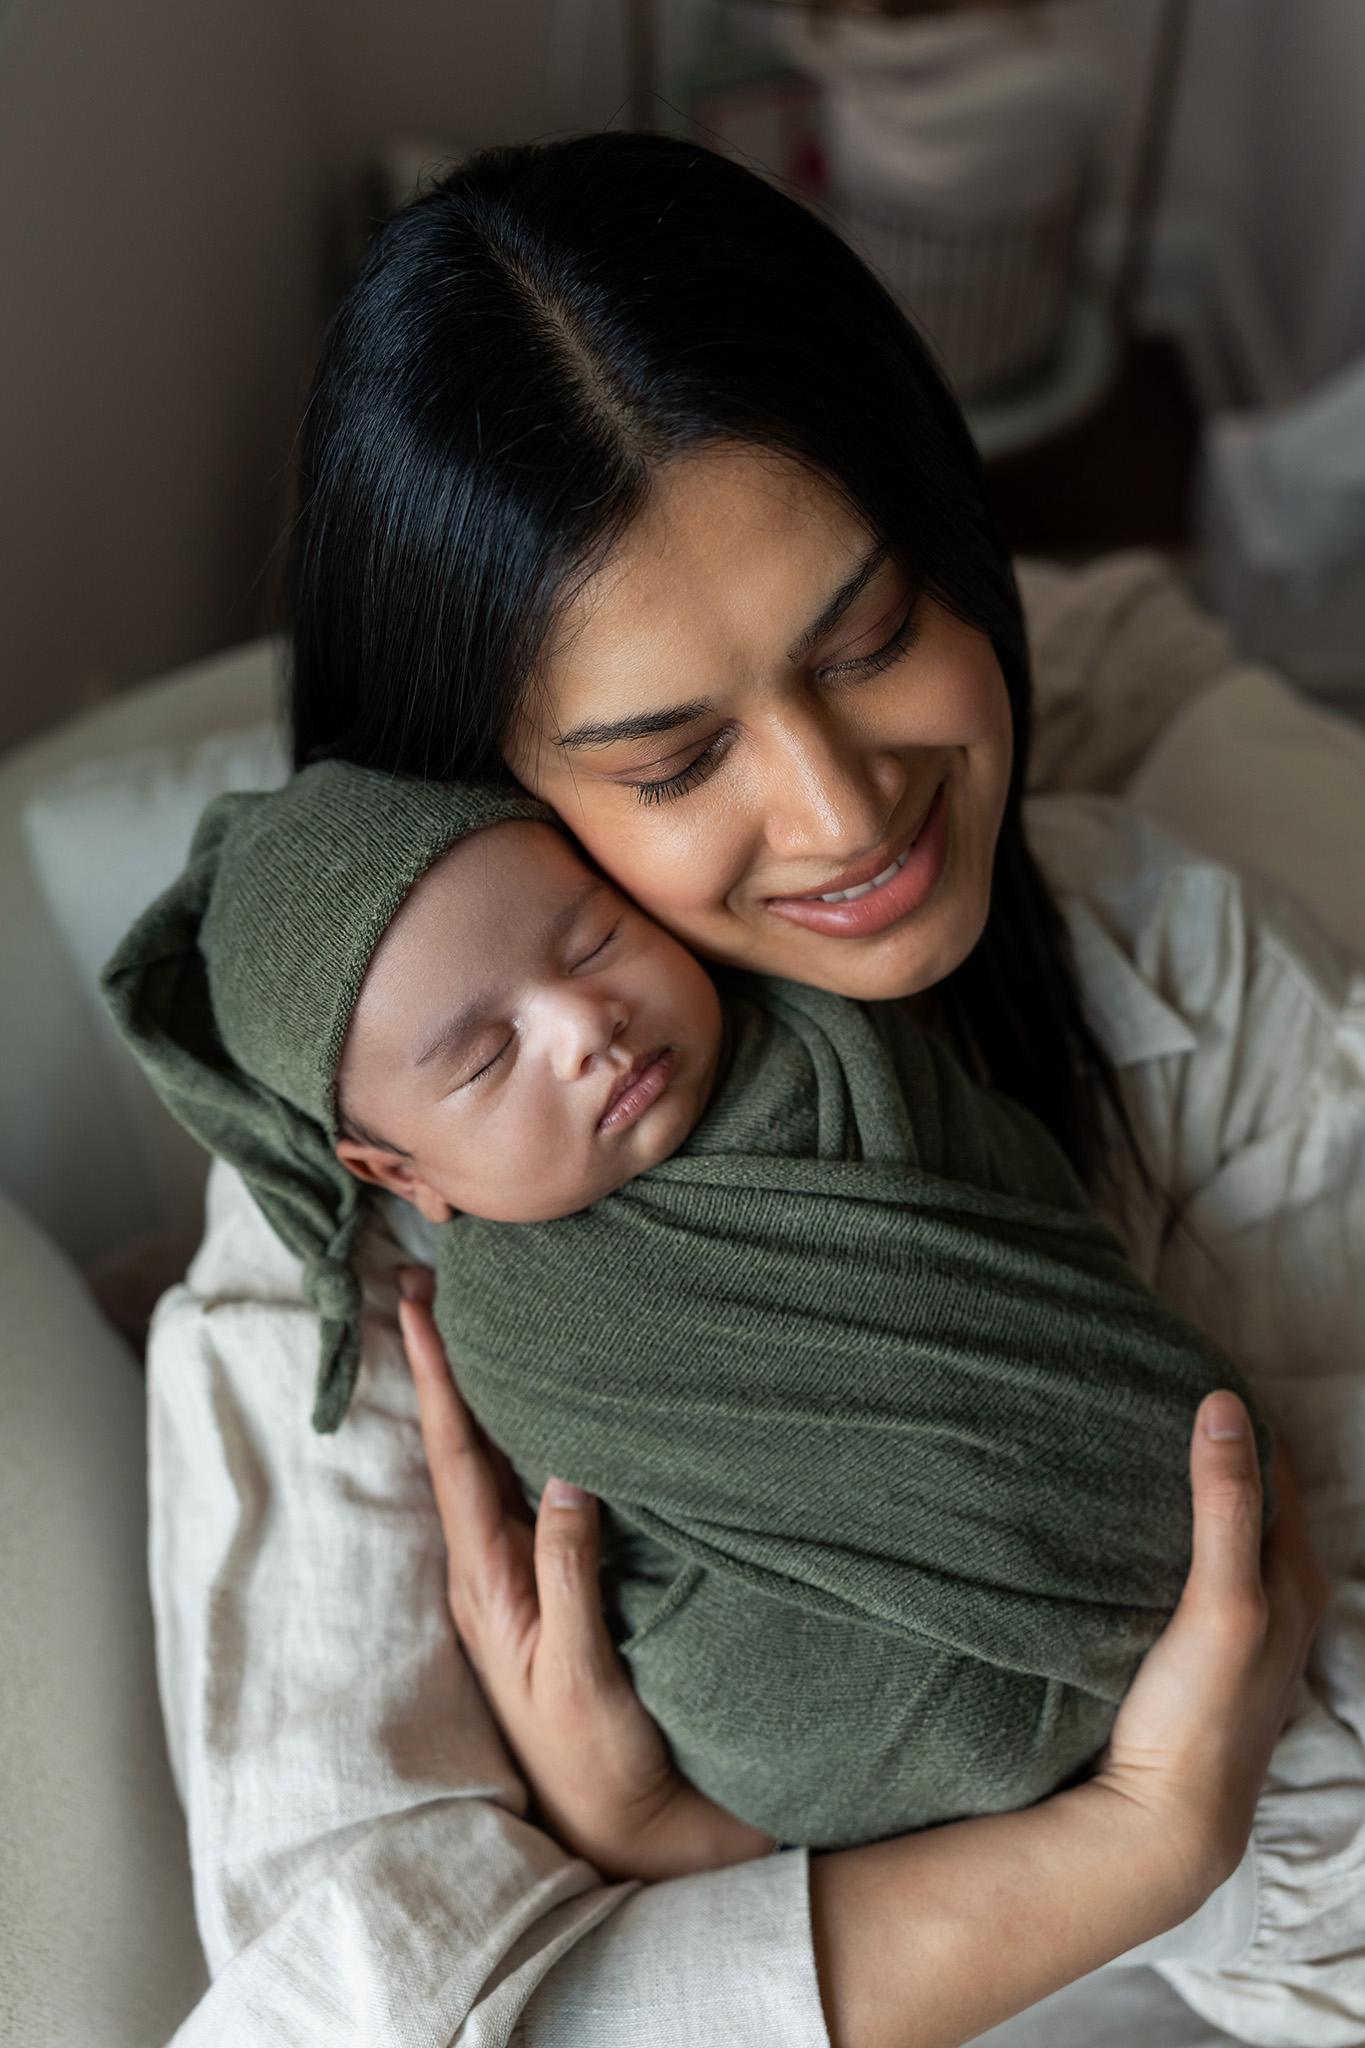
<point x="364" y="1871"/>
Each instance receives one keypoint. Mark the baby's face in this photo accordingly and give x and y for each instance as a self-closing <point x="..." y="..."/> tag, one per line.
<point x="525" y="1040"/>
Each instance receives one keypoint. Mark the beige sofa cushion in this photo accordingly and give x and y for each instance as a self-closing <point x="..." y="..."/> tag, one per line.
<point x="97" y="1940"/>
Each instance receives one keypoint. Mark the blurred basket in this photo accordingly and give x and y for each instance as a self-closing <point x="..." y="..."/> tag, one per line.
<point x="989" y="295"/>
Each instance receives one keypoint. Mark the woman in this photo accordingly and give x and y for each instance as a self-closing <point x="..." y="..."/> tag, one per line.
<point x="621" y="470"/>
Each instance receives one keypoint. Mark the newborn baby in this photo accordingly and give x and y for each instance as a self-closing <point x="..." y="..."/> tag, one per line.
<point x="890" y="1438"/>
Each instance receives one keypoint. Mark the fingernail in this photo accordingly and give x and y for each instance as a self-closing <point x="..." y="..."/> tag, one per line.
<point x="562" y="1493"/>
<point x="1224" y="1418"/>
<point x="409" y="1282"/>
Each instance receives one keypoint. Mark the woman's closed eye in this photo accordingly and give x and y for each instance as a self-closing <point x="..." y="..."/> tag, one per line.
<point x="667" y="787"/>
<point x="883" y="657"/>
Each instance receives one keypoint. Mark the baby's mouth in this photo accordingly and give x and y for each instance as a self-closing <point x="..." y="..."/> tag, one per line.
<point x="642" y="1083"/>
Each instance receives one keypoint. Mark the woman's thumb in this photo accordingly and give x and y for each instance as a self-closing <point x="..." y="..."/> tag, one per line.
<point x="1226" y="1483"/>
<point x="571" y="1618"/>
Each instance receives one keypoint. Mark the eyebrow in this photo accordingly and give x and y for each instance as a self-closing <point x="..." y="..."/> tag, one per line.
<point x="647" y="725"/>
<point x="451" y="1034"/>
<point x="849" y="590"/>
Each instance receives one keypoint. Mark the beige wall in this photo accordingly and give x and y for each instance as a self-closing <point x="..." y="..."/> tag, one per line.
<point x="172" y="174"/>
<point x="470" y="71"/>
<point x="159" y="304"/>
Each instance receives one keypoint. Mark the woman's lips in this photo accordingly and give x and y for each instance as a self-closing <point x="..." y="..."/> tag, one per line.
<point x="905" y="876"/>
<point x="633" y="1093"/>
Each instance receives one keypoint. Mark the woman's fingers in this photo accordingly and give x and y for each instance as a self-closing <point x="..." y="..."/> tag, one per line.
<point x="417" y="1283"/>
<point x="1194" y="1734"/>
<point x="490" y="1575"/>
<point x="1295" y="1583"/>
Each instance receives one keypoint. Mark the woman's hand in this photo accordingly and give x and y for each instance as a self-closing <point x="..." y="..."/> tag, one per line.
<point x="1193" y="1738"/>
<point x="526" y="1604"/>
<point x="928" y="1941"/>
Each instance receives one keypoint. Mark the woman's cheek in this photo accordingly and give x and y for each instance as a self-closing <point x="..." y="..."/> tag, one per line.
<point x="673" y="866"/>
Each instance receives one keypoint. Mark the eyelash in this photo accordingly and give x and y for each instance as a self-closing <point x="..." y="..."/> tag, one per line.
<point x="600" y="947"/>
<point x="889" y="653"/>
<point x="697" y="770"/>
<point x="670" y="787"/>
<point x="489" y="1065"/>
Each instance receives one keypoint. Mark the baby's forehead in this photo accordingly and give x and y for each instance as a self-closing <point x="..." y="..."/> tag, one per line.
<point x="484" y="909"/>
<point x="503" y="861"/>
<point x="492" y="895"/>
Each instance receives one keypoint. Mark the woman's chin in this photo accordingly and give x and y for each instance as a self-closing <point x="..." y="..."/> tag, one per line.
<point x="881" y="973"/>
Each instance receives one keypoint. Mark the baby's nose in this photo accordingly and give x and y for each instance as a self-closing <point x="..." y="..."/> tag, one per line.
<point x="588" y="1027"/>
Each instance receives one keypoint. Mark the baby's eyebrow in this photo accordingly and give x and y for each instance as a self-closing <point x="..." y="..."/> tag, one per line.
<point x="468" y="1018"/>
<point x="451" y="1034"/>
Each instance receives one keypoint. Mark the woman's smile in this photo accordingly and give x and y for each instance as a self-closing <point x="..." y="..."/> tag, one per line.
<point x="855" y="908"/>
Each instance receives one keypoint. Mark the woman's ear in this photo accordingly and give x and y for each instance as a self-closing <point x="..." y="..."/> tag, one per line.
<point x="384" y="1168"/>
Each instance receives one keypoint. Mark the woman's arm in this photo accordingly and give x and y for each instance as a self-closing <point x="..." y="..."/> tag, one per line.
<point x="363" y="1867"/>
<point x="526" y="1603"/>
<point x="925" y="1941"/>
<point x="974" y="1922"/>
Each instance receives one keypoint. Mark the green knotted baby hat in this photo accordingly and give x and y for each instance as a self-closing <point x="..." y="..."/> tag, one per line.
<point x="235" y="990"/>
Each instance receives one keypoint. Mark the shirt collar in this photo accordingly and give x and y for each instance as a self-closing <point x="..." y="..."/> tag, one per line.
<point x="1133" y="1023"/>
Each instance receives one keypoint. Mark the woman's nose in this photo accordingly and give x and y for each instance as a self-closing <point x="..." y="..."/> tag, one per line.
<point x="825" y="792"/>
<point x="582" y="1025"/>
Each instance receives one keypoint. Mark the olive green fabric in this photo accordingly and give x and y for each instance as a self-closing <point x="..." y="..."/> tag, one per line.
<point x="893" y="1440"/>
<point x="236" y="987"/>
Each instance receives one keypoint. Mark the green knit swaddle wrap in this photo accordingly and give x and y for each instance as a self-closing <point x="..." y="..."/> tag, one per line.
<point x="893" y="1440"/>
<point x="235" y="991"/>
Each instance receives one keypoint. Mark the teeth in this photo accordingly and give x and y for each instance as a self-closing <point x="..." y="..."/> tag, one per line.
<point x="866" y="888"/>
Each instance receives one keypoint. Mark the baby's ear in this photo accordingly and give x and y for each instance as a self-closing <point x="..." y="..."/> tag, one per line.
<point x="384" y="1168"/>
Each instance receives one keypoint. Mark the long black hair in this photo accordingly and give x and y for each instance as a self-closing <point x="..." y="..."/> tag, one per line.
<point x="523" y="349"/>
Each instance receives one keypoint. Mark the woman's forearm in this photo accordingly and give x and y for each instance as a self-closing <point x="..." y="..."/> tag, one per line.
<point x="926" y="1941"/>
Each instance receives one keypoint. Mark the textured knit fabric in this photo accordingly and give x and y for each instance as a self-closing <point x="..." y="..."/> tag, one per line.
<point x="892" y="1434"/>
<point x="893" y="1439"/>
<point x="235" y="991"/>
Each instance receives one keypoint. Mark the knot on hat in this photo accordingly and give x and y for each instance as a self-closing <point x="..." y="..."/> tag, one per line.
<point x="334" y="1289"/>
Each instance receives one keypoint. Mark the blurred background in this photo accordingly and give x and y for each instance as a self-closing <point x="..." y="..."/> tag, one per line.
<point x="1133" y="229"/>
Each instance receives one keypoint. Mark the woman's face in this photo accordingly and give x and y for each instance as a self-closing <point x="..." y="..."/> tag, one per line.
<point x="753" y="723"/>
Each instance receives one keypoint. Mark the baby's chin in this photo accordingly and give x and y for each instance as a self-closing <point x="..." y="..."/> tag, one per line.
<point x="510" y="1209"/>
<point x="612" y="1167"/>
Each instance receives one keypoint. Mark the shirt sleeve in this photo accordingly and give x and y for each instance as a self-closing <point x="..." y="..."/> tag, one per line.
<point x="364" y="1869"/>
